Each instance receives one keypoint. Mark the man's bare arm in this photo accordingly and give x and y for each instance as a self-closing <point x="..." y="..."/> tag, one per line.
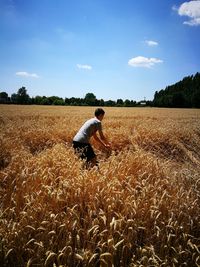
<point x="103" y="141"/>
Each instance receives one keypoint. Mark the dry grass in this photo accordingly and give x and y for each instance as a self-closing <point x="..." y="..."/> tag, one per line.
<point x="141" y="209"/>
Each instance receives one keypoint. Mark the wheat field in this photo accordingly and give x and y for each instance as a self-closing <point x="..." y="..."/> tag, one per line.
<point x="141" y="208"/>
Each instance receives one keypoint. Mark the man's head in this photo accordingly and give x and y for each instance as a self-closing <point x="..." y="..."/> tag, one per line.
<point x="99" y="113"/>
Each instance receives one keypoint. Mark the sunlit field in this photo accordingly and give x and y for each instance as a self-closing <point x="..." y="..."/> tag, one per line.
<point x="141" y="208"/>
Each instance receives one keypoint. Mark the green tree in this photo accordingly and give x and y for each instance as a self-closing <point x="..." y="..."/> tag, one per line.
<point x="3" y="98"/>
<point x="133" y="103"/>
<point x="53" y="99"/>
<point x="183" y="94"/>
<point x="90" y="99"/>
<point x="196" y="99"/>
<point x="22" y="96"/>
<point x="67" y="101"/>
<point x="120" y="102"/>
<point x="45" y="101"/>
<point x="72" y="101"/>
<point x="127" y="103"/>
<point x="14" y="98"/>
<point x="110" y="103"/>
<point x="38" y="100"/>
<point x="101" y="102"/>
<point x="59" y="102"/>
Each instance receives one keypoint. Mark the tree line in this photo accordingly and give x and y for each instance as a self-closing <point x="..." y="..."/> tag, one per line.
<point x="183" y="94"/>
<point x="22" y="97"/>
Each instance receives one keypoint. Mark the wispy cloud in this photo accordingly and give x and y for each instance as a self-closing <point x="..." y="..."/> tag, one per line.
<point x="86" y="67"/>
<point x="143" y="62"/>
<point x="26" y="74"/>
<point x="10" y="6"/>
<point x="64" y="34"/>
<point x="190" y="9"/>
<point x="151" y="43"/>
<point x="8" y="12"/>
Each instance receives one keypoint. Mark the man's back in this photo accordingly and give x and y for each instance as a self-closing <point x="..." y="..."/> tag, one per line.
<point x="87" y="130"/>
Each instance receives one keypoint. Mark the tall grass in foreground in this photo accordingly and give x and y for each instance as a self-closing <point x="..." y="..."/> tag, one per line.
<point x="140" y="209"/>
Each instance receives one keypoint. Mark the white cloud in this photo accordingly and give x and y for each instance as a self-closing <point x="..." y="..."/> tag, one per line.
<point x="151" y="43"/>
<point x="190" y="9"/>
<point x="86" y="67"/>
<point x="143" y="62"/>
<point x="26" y="74"/>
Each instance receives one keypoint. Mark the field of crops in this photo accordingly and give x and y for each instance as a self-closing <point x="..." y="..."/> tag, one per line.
<point x="141" y="208"/>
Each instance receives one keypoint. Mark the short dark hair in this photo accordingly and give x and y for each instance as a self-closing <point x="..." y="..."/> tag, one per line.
<point x="99" y="111"/>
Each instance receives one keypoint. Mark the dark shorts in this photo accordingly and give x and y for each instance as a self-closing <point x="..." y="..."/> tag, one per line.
<point x="85" y="151"/>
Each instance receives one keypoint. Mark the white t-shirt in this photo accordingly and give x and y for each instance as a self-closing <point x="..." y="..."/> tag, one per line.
<point x="87" y="130"/>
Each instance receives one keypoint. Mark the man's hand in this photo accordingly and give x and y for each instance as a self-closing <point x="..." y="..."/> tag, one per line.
<point x="108" y="145"/>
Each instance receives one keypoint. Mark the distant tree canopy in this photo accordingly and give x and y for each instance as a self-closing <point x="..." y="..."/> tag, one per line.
<point x="4" y="98"/>
<point x="21" y="97"/>
<point x="90" y="99"/>
<point x="183" y="94"/>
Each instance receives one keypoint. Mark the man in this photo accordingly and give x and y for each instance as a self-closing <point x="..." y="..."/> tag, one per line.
<point x="81" y="141"/>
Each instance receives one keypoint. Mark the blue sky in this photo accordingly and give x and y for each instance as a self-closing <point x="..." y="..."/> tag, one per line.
<point x="115" y="49"/>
